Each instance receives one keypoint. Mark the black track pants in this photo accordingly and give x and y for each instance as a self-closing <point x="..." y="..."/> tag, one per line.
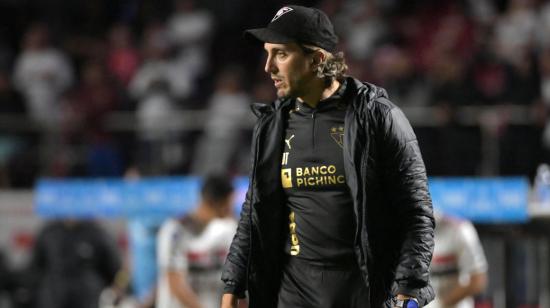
<point x="309" y="285"/>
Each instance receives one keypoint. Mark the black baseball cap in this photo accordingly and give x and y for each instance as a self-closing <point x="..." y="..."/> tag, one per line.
<point x="297" y="24"/>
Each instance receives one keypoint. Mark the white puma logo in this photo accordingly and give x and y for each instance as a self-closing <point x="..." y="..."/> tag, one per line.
<point x="287" y="141"/>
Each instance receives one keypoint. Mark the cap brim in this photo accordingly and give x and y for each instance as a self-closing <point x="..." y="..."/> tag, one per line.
<point x="266" y="35"/>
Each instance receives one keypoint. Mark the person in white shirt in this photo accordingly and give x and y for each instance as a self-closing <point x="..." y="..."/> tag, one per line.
<point x="42" y="73"/>
<point x="459" y="267"/>
<point x="191" y="250"/>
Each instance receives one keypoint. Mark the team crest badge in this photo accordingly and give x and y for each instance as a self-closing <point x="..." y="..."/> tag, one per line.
<point x="337" y="134"/>
<point x="281" y="12"/>
<point x="286" y="178"/>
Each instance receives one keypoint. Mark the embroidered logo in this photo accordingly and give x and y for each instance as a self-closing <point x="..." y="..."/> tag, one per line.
<point x="337" y="134"/>
<point x="287" y="141"/>
<point x="286" y="177"/>
<point x="281" y="12"/>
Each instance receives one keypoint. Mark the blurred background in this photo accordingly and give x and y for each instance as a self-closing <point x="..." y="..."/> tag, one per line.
<point x="109" y="92"/>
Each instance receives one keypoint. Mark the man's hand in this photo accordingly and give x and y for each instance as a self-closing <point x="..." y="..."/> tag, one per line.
<point x="232" y="301"/>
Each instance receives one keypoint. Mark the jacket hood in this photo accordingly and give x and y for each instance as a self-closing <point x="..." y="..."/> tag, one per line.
<point x="373" y="92"/>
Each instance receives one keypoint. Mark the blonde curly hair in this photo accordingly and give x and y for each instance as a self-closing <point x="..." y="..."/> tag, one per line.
<point x="332" y="68"/>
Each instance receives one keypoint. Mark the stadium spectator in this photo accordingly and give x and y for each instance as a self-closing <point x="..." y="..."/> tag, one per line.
<point x="516" y="29"/>
<point x="155" y="66"/>
<point x="365" y="27"/>
<point x="159" y="65"/>
<point x="191" y="250"/>
<point x="489" y="78"/>
<point x="483" y="12"/>
<point x="449" y="86"/>
<point x="42" y="73"/>
<point x="222" y="140"/>
<point x="459" y="266"/>
<point x="190" y="29"/>
<point x="88" y="105"/>
<point x="190" y="26"/>
<point x="393" y="68"/>
<point x="122" y="56"/>
<point x="157" y="86"/>
<point x="92" y="100"/>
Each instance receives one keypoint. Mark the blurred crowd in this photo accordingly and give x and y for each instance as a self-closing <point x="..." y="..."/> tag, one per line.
<point x="93" y="88"/>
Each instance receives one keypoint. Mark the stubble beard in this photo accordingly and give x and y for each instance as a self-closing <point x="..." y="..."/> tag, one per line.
<point x="288" y="92"/>
<point x="284" y="93"/>
<point x="299" y="86"/>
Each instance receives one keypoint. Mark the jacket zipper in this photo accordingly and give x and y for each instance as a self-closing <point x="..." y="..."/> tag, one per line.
<point x="363" y="174"/>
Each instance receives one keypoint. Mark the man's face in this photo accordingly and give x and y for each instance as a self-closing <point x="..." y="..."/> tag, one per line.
<point x="290" y="69"/>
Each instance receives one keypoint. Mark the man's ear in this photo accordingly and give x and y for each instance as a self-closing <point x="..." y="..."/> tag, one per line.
<point x="317" y="57"/>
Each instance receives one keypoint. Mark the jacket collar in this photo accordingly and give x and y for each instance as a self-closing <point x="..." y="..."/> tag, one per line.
<point x="260" y="109"/>
<point x="372" y="91"/>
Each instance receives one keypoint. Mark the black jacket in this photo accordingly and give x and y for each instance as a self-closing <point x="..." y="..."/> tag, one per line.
<point x="387" y="179"/>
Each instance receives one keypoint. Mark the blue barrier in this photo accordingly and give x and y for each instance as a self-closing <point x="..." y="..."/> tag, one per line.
<point x="163" y="196"/>
<point x="484" y="200"/>
<point x="477" y="199"/>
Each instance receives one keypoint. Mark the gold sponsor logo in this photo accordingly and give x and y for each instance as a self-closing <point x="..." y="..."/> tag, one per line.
<point x="294" y="243"/>
<point x="316" y="170"/>
<point x="322" y="175"/>
<point x="286" y="177"/>
<point x="320" y="180"/>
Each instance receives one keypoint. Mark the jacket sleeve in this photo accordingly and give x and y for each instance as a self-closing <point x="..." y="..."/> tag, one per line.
<point x="234" y="273"/>
<point x="411" y="205"/>
<point x="235" y="268"/>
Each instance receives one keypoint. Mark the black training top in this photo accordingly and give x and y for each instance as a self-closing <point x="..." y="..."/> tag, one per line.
<point x="321" y="219"/>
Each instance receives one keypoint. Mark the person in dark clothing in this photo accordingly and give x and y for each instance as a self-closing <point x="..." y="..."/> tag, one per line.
<point x="338" y="212"/>
<point x="76" y="260"/>
<point x="5" y="275"/>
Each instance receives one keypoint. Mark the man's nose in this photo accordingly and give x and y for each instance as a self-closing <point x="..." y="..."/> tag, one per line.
<point x="269" y="67"/>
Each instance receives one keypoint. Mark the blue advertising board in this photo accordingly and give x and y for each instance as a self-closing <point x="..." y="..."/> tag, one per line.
<point x="478" y="199"/>
<point x="482" y="200"/>
<point x="111" y="198"/>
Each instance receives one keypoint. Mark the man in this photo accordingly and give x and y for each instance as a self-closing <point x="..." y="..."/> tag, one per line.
<point x="191" y="250"/>
<point x="75" y="260"/>
<point x="338" y="212"/>
<point x="459" y="266"/>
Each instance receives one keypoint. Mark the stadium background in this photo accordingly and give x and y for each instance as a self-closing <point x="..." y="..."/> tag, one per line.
<point x="126" y="89"/>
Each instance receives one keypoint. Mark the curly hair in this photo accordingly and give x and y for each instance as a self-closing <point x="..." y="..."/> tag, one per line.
<point x="332" y="68"/>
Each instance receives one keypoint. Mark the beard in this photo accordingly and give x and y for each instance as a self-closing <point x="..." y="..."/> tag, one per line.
<point x="292" y="90"/>
<point x="295" y="85"/>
